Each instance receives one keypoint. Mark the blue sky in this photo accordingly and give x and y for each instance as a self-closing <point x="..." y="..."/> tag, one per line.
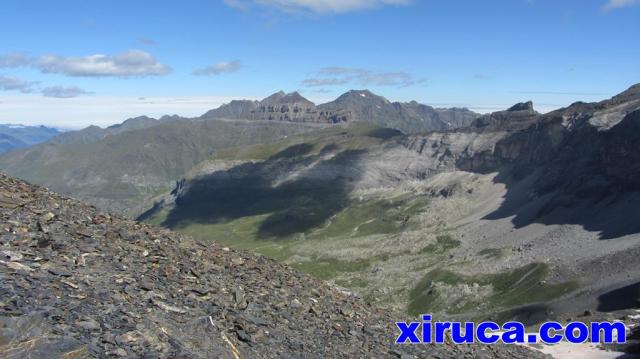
<point x="73" y="63"/>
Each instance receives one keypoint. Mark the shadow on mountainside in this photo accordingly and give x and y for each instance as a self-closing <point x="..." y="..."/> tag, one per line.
<point x="295" y="189"/>
<point x="585" y="177"/>
<point x="619" y="299"/>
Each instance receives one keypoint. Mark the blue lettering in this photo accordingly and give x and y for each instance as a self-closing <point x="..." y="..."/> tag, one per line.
<point x="481" y="332"/>
<point x="572" y="328"/>
<point x="426" y="328"/>
<point x="546" y="337"/>
<point x="407" y="333"/>
<point x="608" y="328"/>
<point x="514" y="333"/>
<point x="458" y="337"/>
<point x="441" y="329"/>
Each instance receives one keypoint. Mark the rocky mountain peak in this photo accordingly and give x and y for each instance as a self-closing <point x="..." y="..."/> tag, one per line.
<point x="633" y="90"/>
<point x="630" y="94"/>
<point x="522" y="106"/>
<point x="295" y="98"/>
<point x="274" y="98"/>
<point x="294" y="95"/>
<point x="134" y="122"/>
<point x="361" y="96"/>
<point x="170" y="117"/>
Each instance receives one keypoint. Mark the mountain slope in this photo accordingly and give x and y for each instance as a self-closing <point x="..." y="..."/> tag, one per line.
<point x="564" y="191"/>
<point x="80" y="283"/>
<point x="353" y="106"/>
<point x="122" y="170"/>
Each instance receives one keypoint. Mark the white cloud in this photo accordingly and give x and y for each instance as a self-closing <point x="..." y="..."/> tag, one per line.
<point x="617" y="4"/>
<point x="15" y="59"/>
<point x="319" y="82"/>
<point x="10" y="83"/>
<point x="331" y="76"/>
<point x="133" y="63"/>
<point x="63" y="92"/>
<point x="219" y="68"/>
<point x="237" y="4"/>
<point x="318" y="6"/>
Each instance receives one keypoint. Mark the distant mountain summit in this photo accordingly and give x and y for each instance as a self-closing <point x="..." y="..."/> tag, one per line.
<point x="352" y="106"/>
<point x="8" y="143"/>
<point x="523" y="106"/>
<point x="94" y="133"/>
<point x="19" y="136"/>
<point x="233" y="110"/>
<point x="516" y="117"/>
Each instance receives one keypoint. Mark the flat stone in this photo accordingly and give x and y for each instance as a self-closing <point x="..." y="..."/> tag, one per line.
<point x="59" y="272"/>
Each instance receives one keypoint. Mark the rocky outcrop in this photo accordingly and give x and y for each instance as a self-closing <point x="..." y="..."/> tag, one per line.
<point x="522" y="106"/>
<point x="586" y="139"/>
<point x="80" y="283"/>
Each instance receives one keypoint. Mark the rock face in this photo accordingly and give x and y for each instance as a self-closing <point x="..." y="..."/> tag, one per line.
<point x="584" y="149"/>
<point x="79" y="283"/>
<point x="523" y="106"/>
<point x="353" y="106"/>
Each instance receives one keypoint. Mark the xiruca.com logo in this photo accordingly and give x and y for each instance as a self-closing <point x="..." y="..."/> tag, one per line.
<point x="429" y="332"/>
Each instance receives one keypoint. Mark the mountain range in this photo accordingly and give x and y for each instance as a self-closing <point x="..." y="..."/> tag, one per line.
<point x="517" y="215"/>
<point x="353" y="106"/>
<point x="124" y="166"/>
<point x="19" y="136"/>
<point x="508" y="215"/>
